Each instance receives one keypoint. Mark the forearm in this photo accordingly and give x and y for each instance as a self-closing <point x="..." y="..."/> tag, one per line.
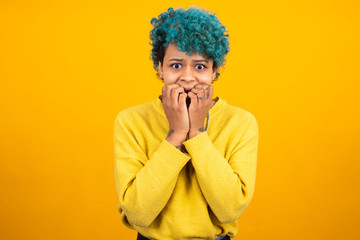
<point x="227" y="186"/>
<point x="145" y="190"/>
<point x="194" y="132"/>
<point x="226" y="191"/>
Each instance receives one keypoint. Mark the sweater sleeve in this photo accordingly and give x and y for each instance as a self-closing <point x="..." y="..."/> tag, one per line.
<point x="227" y="185"/>
<point x="143" y="185"/>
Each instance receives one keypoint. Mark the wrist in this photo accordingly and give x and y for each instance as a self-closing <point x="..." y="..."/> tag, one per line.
<point x="176" y="138"/>
<point x="176" y="142"/>
<point x="195" y="131"/>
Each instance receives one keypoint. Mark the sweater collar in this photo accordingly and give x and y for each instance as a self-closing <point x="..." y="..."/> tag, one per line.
<point x="220" y="103"/>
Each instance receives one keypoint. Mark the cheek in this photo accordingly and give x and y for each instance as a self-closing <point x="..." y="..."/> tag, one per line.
<point x="205" y="79"/>
<point x="170" y="77"/>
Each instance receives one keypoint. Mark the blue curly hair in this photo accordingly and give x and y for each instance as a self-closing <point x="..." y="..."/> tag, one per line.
<point x="192" y="30"/>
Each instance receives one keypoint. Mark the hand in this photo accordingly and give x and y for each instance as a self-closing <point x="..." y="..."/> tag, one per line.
<point x="201" y="102"/>
<point x="174" y="103"/>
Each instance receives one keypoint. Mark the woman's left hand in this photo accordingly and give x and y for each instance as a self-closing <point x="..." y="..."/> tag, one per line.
<point x="201" y="102"/>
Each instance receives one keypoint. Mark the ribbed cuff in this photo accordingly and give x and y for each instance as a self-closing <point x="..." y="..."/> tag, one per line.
<point x="200" y="141"/>
<point x="171" y="154"/>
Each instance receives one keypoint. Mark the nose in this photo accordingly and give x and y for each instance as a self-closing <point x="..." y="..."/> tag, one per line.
<point x="187" y="75"/>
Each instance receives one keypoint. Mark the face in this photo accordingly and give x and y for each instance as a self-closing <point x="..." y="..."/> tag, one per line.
<point x="187" y="71"/>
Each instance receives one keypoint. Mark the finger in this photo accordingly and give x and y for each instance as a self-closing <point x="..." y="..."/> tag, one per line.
<point x="163" y="93"/>
<point x="207" y="91"/>
<point x="201" y="92"/>
<point x="210" y="92"/>
<point x="182" y="100"/>
<point x="175" y="91"/>
<point x="201" y="95"/>
<point x="193" y="97"/>
<point x="168" y="88"/>
<point x="208" y="95"/>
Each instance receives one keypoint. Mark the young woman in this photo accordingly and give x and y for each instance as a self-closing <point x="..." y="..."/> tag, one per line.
<point x="185" y="163"/>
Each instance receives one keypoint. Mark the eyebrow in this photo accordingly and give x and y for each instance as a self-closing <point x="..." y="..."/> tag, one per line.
<point x="194" y="60"/>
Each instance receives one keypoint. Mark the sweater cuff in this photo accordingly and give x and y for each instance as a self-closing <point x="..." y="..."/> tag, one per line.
<point x="170" y="153"/>
<point x="200" y="141"/>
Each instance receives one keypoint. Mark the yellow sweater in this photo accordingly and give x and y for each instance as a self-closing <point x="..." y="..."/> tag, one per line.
<point x="167" y="194"/>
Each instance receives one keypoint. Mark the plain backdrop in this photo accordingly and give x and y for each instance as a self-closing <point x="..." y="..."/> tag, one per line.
<point x="68" y="67"/>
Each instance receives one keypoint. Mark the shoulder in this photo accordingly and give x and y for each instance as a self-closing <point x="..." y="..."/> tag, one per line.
<point x="238" y="122"/>
<point x="238" y="114"/>
<point x="242" y="125"/>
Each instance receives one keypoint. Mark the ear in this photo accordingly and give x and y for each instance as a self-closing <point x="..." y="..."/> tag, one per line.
<point x="160" y="70"/>
<point x="213" y="75"/>
<point x="214" y="72"/>
<point x="160" y="67"/>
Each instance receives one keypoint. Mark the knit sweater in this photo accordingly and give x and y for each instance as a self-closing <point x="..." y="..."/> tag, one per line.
<point x="164" y="193"/>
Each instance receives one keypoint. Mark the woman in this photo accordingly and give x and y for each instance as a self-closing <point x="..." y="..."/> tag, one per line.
<point x="178" y="173"/>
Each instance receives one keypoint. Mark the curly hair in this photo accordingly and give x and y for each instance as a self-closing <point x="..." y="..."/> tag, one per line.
<point x="192" y="30"/>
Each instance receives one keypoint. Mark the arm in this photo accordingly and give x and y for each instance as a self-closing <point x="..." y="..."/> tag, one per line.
<point x="143" y="185"/>
<point x="228" y="186"/>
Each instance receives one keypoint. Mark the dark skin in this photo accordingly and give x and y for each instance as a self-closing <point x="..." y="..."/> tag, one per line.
<point x="200" y="103"/>
<point x="187" y="94"/>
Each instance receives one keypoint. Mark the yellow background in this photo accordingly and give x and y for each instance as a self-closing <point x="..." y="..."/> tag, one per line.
<point x="68" y="67"/>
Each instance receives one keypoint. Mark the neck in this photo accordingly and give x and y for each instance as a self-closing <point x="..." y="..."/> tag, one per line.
<point x="213" y="103"/>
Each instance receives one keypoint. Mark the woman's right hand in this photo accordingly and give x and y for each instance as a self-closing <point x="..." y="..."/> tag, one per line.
<point x="174" y="103"/>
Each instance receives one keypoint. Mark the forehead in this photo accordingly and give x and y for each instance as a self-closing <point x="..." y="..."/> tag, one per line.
<point x="173" y="51"/>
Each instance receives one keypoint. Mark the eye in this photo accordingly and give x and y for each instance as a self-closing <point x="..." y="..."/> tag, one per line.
<point x="203" y="67"/>
<point x="175" y="64"/>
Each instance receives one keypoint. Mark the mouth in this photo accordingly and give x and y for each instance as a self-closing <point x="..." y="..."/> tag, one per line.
<point x="187" y="90"/>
